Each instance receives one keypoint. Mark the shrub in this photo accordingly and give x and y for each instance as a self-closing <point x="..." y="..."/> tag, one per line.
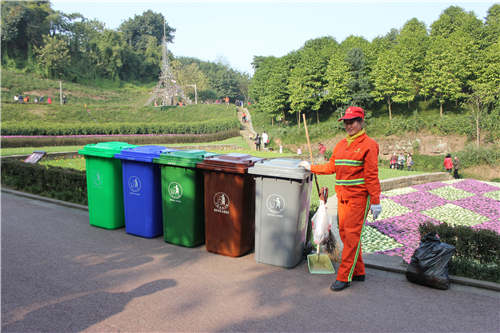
<point x="54" y="182"/>
<point x="477" y="251"/>
<point x="133" y="139"/>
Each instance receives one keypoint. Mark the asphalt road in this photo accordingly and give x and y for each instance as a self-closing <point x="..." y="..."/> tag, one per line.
<point x="61" y="275"/>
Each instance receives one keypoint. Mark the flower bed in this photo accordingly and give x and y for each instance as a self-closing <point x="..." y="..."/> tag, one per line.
<point x="466" y="202"/>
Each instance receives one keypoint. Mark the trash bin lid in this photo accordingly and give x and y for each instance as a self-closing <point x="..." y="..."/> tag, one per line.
<point x="184" y="158"/>
<point x="142" y="153"/>
<point x="280" y="168"/>
<point x="104" y="149"/>
<point x="234" y="162"/>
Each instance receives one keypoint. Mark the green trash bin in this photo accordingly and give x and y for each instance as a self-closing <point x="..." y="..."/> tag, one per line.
<point x="105" y="184"/>
<point x="182" y="197"/>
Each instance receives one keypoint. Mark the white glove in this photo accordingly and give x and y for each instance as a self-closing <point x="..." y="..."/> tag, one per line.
<point x="375" y="210"/>
<point x="306" y="165"/>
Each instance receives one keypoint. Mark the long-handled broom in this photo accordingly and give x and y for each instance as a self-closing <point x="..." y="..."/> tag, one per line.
<point x="318" y="263"/>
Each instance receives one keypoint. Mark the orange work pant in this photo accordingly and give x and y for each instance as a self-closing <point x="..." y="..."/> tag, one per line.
<point x="352" y="215"/>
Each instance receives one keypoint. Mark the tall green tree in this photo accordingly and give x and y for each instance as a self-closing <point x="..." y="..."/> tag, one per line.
<point x="338" y="76"/>
<point x="492" y="24"/>
<point x="275" y="100"/>
<point x="391" y="79"/>
<point x="359" y="85"/>
<point x="485" y="87"/>
<point x="148" y="23"/>
<point x="455" y="40"/>
<point x="411" y="48"/>
<point x="23" y="25"/>
<point x="440" y="78"/>
<point x="307" y="83"/>
<point x="53" y="57"/>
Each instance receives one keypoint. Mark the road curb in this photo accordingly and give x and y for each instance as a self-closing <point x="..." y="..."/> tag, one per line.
<point x="40" y="198"/>
<point x="375" y="261"/>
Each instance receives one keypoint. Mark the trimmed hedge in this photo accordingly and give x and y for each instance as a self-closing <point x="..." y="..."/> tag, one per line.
<point x="53" y="182"/>
<point x="132" y="139"/>
<point x="477" y="253"/>
<point x="45" y="128"/>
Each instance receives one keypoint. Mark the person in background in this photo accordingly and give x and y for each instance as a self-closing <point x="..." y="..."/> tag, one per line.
<point x="456" y="166"/>
<point x="401" y="161"/>
<point x="49" y="100"/>
<point x="448" y="163"/>
<point x="16" y="98"/>
<point x="393" y="162"/>
<point x="409" y="161"/>
<point x="322" y="150"/>
<point x="354" y="162"/>
<point x="265" y="139"/>
<point x="257" y="140"/>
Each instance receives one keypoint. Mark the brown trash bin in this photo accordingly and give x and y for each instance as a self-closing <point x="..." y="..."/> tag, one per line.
<point x="229" y="203"/>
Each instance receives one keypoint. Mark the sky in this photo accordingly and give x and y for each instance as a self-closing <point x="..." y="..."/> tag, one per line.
<point x="233" y="32"/>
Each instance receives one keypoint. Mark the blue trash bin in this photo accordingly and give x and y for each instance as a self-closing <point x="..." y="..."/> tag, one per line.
<point x="142" y="190"/>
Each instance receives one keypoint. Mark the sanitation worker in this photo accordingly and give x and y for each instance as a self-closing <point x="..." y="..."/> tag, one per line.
<point x="355" y="164"/>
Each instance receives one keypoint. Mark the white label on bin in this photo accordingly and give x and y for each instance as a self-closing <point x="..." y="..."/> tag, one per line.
<point x="134" y="185"/>
<point x="175" y="191"/>
<point x="98" y="179"/>
<point x="221" y="202"/>
<point x="275" y="204"/>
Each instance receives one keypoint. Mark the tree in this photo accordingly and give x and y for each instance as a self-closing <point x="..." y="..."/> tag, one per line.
<point x="455" y="40"/>
<point x="53" y="57"/>
<point x="23" y="25"/>
<point x="412" y="45"/>
<point x="391" y="79"/>
<point x="148" y="23"/>
<point x="485" y="88"/>
<point x="492" y="24"/>
<point x="275" y="99"/>
<point x="338" y="76"/>
<point x="359" y="85"/>
<point x="440" y="79"/>
<point x="189" y="74"/>
<point x="307" y="83"/>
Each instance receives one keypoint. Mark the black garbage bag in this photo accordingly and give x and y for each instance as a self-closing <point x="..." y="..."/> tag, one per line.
<point x="429" y="263"/>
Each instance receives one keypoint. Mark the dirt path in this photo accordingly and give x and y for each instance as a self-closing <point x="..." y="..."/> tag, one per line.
<point x="247" y="132"/>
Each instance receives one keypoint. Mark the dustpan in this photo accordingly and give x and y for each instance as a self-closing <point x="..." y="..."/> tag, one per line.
<point x="318" y="263"/>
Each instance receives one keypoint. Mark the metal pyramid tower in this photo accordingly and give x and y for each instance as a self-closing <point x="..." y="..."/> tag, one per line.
<point x="167" y="91"/>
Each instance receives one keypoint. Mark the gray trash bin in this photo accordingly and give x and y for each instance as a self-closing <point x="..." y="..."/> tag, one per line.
<point x="282" y="197"/>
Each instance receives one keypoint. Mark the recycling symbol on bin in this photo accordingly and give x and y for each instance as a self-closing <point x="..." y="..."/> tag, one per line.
<point x="175" y="190"/>
<point x="134" y="184"/>
<point x="98" y="179"/>
<point x="275" y="203"/>
<point x="221" y="200"/>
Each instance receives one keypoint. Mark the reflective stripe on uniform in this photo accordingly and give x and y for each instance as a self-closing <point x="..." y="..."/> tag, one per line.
<point x="349" y="162"/>
<point x="359" y="181"/>
<point x="349" y="278"/>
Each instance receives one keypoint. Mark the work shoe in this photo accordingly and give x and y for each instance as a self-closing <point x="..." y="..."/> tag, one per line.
<point x="358" y="278"/>
<point x="339" y="285"/>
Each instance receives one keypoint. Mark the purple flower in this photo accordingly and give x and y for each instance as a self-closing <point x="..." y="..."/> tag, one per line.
<point x="474" y="186"/>
<point x="429" y="186"/>
<point x="404" y="229"/>
<point x="493" y="225"/>
<point x="482" y="205"/>
<point x="419" y="200"/>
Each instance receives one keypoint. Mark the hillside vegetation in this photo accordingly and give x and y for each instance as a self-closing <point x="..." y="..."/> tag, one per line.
<point x="451" y="68"/>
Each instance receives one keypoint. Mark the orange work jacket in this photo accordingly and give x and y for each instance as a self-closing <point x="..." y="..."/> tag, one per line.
<point x="356" y="169"/>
